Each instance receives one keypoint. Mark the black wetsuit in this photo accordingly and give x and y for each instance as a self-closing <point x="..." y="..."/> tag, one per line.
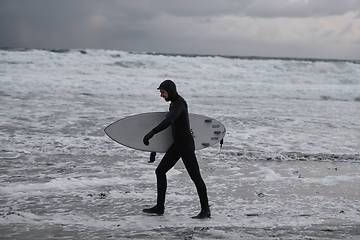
<point x="183" y="146"/>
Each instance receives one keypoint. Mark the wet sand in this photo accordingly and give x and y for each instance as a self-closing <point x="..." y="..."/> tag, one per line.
<point x="72" y="197"/>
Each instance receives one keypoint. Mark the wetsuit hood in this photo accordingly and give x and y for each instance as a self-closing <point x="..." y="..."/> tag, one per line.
<point x="170" y="87"/>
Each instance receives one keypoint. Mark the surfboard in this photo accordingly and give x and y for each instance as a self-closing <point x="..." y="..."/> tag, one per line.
<point x="131" y="130"/>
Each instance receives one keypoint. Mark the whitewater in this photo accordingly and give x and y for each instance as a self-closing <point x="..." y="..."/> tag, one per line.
<point x="289" y="167"/>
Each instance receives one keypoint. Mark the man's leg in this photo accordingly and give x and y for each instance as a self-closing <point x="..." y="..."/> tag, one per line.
<point x="193" y="169"/>
<point x="169" y="160"/>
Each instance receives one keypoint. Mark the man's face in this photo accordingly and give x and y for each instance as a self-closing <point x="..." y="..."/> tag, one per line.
<point x="163" y="94"/>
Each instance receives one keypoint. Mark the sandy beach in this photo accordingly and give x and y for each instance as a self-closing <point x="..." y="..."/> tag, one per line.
<point x="67" y="197"/>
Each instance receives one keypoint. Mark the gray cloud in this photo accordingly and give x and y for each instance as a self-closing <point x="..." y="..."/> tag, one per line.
<point x="300" y="8"/>
<point x="293" y="28"/>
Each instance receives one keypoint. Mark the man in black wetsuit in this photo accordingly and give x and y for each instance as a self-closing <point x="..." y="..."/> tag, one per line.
<point x="183" y="147"/>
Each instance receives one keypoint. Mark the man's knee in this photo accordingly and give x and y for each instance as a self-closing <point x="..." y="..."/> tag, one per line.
<point x="196" y="178"/>
<point x="159" y="172"/>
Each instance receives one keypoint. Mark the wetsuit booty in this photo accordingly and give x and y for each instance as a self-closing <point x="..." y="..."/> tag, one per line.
<point x="158" y="210"/>
<point x="203" y="214"/>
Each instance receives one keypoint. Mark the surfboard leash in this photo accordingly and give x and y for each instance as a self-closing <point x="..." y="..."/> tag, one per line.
<point x="221" y="144"/>
<point x="152" y="157"/>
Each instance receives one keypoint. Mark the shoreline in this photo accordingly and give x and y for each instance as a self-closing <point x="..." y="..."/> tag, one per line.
<point x="62" y="196"/>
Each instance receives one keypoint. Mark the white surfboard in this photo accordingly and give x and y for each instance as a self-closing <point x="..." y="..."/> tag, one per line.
<point x="131" y="130"/>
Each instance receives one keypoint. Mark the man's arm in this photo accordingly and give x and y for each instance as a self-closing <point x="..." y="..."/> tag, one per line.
<point x="174" y="113"/>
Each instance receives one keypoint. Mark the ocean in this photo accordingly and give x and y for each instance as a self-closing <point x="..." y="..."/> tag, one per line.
<point x="289" y="166"/>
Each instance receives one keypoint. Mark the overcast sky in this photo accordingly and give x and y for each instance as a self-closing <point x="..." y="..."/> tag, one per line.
<point x="269" y="28"/>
